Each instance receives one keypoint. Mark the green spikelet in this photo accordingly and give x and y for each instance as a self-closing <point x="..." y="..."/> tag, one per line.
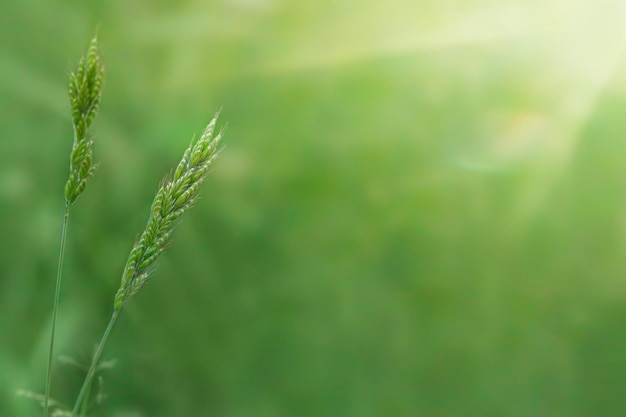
<point x="85" y="93"/>
<point x="175" y="196"/>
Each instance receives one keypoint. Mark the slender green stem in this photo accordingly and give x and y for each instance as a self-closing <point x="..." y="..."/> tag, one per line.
<point x="85" y="406"/>
<point x="57" y="293"/>
<point x="94" y="363"/>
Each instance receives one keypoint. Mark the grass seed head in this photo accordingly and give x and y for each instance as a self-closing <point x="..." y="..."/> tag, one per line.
<point x="85" y="92"/>
<point x="175" y="196"/>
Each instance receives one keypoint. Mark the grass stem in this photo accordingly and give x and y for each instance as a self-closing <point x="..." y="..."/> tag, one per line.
<point x="94" y="364"/>
<point x="55" y="308"/>
<point x="85" y="406"/>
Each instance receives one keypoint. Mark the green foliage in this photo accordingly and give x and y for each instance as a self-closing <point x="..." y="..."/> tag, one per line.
<point x="391" y="234"/>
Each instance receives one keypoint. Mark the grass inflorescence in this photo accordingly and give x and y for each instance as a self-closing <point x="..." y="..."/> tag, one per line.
<point x="175" y="197"/>
<point x="176" y="194"/>
<point x="85" y="91"/>
<point x="85" y="95"/>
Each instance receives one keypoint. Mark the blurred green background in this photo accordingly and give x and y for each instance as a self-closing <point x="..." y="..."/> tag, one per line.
<point x="420" y="209"/>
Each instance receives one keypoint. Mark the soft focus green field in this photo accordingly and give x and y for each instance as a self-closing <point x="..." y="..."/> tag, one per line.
<point x="420" y="209"/>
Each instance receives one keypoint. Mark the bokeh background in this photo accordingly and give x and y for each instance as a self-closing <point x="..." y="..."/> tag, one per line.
<point x="420" y="209"/>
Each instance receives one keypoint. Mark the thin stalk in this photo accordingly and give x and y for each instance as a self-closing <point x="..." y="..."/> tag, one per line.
<point x="57" y="294"/>
<point x="94" y="363"/>
<point x="85" y="406"/>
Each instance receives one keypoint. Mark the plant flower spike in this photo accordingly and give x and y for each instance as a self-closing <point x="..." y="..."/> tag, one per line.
<point x="176" y="194"/>
<point x="85" y="93"/>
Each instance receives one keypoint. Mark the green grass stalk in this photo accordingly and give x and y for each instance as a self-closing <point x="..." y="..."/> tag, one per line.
<point x="55" y="308"/>
<point x="85" y="406"/>
<point x="82" y="397"/>
<point x="176" y="195"/>
<point x="85" y="93"/>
